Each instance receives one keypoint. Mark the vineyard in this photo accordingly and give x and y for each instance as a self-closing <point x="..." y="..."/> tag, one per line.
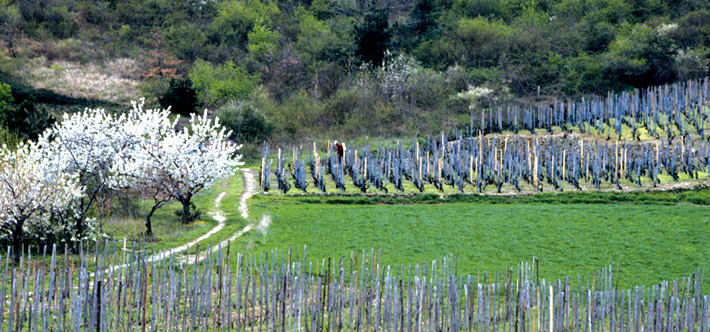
<point x="284" y="291"/>
<point x="354" y="165"/>
<point x="631" y="139"/>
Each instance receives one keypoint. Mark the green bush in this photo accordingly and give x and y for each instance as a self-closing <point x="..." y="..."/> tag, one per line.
<point x="314" y="37"/>
<point x="60" y="23"/>
<point x="180" y="96"/>
<point x="246" y="122"/>
<point x="194" y="213"/>
<point x="185" y="41"/>
<point x="154" y="89"/>
<point x="221" y="82"/>
<point x="262" y="41"/>
<point x="227" y="34"/>
<point x="5" y="97"/>
<point x="692" y="63"/>
<point x="339" y="106"/>
<point x="8" y="138"/>
<point x="26" y="120"/>
<point x="693" y="29"/>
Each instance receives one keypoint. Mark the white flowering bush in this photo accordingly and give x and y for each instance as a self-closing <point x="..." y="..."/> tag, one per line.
<point x="30" y="192"/>
<point x="666" y="29"/>
<point x="177" y="164"/>
<point x="394" y="82"/>
<point x="691" y="63"/>
<point x="473" y="95"/>
<point x="481" y="96"/>
<point x="396" y="76"/>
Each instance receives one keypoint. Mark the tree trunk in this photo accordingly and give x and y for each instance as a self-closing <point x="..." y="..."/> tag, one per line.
<point x="148" y="224"/>
<point x="17" y="240"/>
<point x="148" y="227"/>
<point x="186" y="213"/>
<point x="11" y="47"/>
<point x="79" y="229"/>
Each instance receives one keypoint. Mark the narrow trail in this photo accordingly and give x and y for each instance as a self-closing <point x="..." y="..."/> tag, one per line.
<point x="250" y="188"/>
<point x="217" y="214"/>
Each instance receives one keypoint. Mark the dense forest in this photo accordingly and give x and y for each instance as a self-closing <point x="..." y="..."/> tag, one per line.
<point x="294" y="69"/>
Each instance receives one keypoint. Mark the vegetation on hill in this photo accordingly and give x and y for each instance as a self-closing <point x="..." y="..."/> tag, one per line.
<point x="375" y="68"/>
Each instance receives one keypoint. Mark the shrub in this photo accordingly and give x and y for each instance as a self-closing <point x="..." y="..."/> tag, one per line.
<point x="222" y="82"/>
<point x="36" y="119"/>
<point x="692" y="63"/>
<point x="693" y="29"/>
<point x="194" y="213"/>
<point x="60" y="23"/>
<point x="235" y="19"/>
<point x="247" y="123"/>
<point x="5" y="97"/>
<point x="180" y="96"/>
<point x="8" y="138"/>
<point x="24" y="120"/>
<point x="154" y="89"/>
<point x="185" y="41"/>
<point x="339" y="106"/>
<point x="262" y="41"/>
<point x="314" y="37"/>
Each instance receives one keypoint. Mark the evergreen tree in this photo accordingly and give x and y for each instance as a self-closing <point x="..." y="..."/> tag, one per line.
<point x="373" y="37"/>
<point x="181" y="97"/>
<point x="424" y="17"/>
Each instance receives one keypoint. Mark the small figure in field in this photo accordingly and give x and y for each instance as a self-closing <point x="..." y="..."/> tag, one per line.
<point x="339" y="149"/>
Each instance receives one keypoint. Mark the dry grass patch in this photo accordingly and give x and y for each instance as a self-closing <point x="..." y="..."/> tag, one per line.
<point x="112" y="81"/>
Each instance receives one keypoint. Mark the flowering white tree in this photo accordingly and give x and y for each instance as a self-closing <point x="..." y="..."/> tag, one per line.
<point x="139" y="149"/>
<point x="89" y="144"/>
<point x="30" y="191"/>
<point x="177" y="164"/>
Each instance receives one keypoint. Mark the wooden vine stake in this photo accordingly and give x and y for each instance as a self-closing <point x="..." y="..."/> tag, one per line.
<point x="552" y="311"/>
<point x="470" y="168"/>
<point x="581" y="153"/>
<point x="564" y="161"/>
<point x="365" y="168"/>
<point x="344" y="148"/>
<point x="261" y="177"/>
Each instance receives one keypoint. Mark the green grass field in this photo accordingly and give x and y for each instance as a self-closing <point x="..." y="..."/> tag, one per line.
<point x="659" y="240"/>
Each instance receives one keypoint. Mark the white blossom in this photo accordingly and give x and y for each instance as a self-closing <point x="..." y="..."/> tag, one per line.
<point x="474" y="95"/>
<point x="666" y="28"/>
<point x="30" y="191"/>
<point x="176" y="164"/>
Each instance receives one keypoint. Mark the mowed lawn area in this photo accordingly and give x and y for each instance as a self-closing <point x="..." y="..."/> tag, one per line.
<point x="649" y="243"/>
